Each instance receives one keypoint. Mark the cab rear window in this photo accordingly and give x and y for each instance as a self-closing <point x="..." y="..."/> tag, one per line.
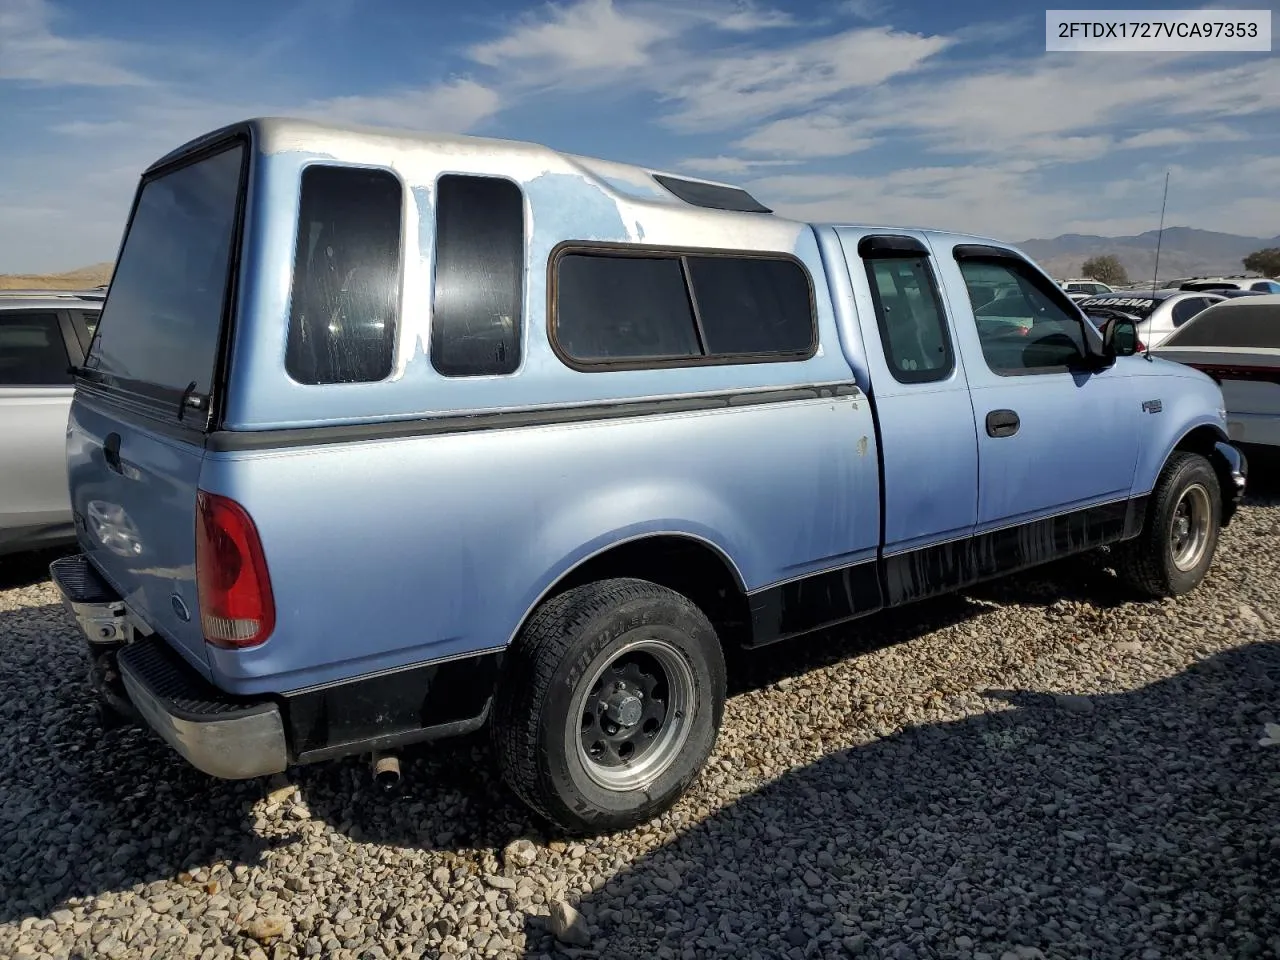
<point x="158" y="333"/>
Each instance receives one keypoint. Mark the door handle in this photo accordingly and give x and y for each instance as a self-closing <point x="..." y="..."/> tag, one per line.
<point x="111" y="451"/>
<point x="1002" y="423"/>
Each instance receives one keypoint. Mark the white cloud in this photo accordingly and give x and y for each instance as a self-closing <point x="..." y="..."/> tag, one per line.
<point x="747" y="18"/>
<point x="717" y="92"/>
<point x="1183" y="136"/>
<point x="590" y="35"/>
<point x="1013" y="143"/>
<point x="451" y="107"/>
<point x="32" y="52"/>
<point x="811" y="135"/>
<point x="729" y="166"/>
<point x="1004" y="110"/>
<point x="1016" y="200"/>
<point x="987" y="199"/>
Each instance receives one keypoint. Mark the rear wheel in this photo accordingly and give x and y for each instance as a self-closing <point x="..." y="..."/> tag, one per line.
<point x="1173" y="553"/>
<point x="609" y="705"/>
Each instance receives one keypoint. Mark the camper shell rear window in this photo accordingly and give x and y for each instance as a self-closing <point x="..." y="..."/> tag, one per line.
<point x="159" y="336"/>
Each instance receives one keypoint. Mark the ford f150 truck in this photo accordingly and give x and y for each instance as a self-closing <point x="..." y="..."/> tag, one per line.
<point x="384" y="437"/>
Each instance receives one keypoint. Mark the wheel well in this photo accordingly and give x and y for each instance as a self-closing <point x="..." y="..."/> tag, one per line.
<point x="679" y="563"/>
<point x="1204" y="440"/>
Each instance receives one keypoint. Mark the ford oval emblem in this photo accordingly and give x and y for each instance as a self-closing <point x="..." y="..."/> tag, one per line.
<point x="180" y="608"/>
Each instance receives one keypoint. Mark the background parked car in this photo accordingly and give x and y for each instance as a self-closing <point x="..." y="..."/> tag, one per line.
<point x="1231" y="294"/>
<point x="1079" y="290"/>
<point x="1255" y="284"/>
<point x="1157" y="313"/>
<point x="1237" y="342"/>
<point x="42" y="334"/>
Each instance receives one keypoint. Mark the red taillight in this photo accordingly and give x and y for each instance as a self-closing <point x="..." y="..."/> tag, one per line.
<point x="236" y="607"/>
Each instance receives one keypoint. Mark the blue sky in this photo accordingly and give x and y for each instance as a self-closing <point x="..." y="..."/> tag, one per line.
<point x="929" y="112"/>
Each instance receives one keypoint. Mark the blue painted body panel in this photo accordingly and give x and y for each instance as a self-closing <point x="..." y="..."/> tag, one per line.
<point x="1189" y="400"/>
<point x="1077" y="443"/>
<point x="927" y="433"/>
<point x="389" y="552"/>
<point x="139" y="524"/>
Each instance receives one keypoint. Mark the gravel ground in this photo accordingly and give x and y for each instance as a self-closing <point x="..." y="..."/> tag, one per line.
<point x="1034" y="769"/>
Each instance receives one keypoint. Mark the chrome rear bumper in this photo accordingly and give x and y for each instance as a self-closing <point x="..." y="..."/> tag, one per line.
<point x="234" y="738"/>
<point x="229" y="737"/>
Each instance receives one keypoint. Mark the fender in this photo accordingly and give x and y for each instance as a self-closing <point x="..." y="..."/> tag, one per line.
<point x="610" y="541"/>
<point x="1207" y="437"/>
<point x="1186" y="403"/>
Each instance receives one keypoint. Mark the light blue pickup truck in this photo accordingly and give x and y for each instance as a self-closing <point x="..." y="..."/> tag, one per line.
<point x="386" y="437"/>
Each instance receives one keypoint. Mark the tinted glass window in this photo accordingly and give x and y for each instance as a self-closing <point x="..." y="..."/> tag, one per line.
<point x="162" y="319"/>
<point x="1184" y="310"/>
<point x="623" y="308"/>
<point x="479" y="276"/>
<point x="1023" y="331"/>
<point x="749" y="305"/>
<point x="1266" y="286"/>
<point x="913" y="331"/>
<point x="32" y="353"/>
<point x="346" y="276"/>
<point x="1236" y="323"/>
<point x="88" y="323"/>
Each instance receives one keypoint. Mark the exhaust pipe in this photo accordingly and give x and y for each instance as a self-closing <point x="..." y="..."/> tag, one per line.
<point x="386" y="770"/>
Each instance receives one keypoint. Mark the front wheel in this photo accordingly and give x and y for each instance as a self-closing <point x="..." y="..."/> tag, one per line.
<point x="609" y="705"/>
<point x="1173" y="553"/>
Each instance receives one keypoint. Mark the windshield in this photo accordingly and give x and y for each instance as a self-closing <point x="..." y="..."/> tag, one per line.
<point x="159" y="328"/>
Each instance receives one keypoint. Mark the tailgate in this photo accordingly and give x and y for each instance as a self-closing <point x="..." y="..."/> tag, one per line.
<point x="134" y="495"/>
<point x="135" y="438"/>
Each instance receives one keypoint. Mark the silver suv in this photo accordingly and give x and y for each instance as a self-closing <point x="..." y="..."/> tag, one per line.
<point x="43" y="334"/>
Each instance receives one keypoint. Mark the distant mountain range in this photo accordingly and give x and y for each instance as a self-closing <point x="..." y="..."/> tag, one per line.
<point x="1184" y="252"/>
<point x="83" y="278"/>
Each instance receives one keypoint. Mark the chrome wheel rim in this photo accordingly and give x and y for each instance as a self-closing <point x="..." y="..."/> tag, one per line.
<point x="1189" y="527"/>
<point x="631" y="719"/>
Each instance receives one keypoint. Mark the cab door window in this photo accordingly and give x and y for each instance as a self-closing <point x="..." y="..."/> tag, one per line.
<point x="1022" y="330"/>
<point x="913" y="328"/>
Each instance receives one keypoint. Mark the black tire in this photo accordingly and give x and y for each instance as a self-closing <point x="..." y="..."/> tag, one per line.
<point x="1147" y="563"/>
<point x="567" y="641"/>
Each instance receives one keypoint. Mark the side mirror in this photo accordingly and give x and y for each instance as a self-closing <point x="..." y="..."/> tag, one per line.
<point x="1119" y="337"/>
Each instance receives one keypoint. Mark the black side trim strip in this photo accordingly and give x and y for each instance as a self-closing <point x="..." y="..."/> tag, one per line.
<point x="930" y="571"/>
<point x="834" y="596"/>
<point x="426" y="702"/>
<point x="821" y="600"/>
<point x="227" y="440"/>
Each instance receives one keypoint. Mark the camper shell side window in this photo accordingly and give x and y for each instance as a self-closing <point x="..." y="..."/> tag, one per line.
<point x="632" y="307"/>
<point x="345" y="303"/>
<point x="478" y="284"/>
